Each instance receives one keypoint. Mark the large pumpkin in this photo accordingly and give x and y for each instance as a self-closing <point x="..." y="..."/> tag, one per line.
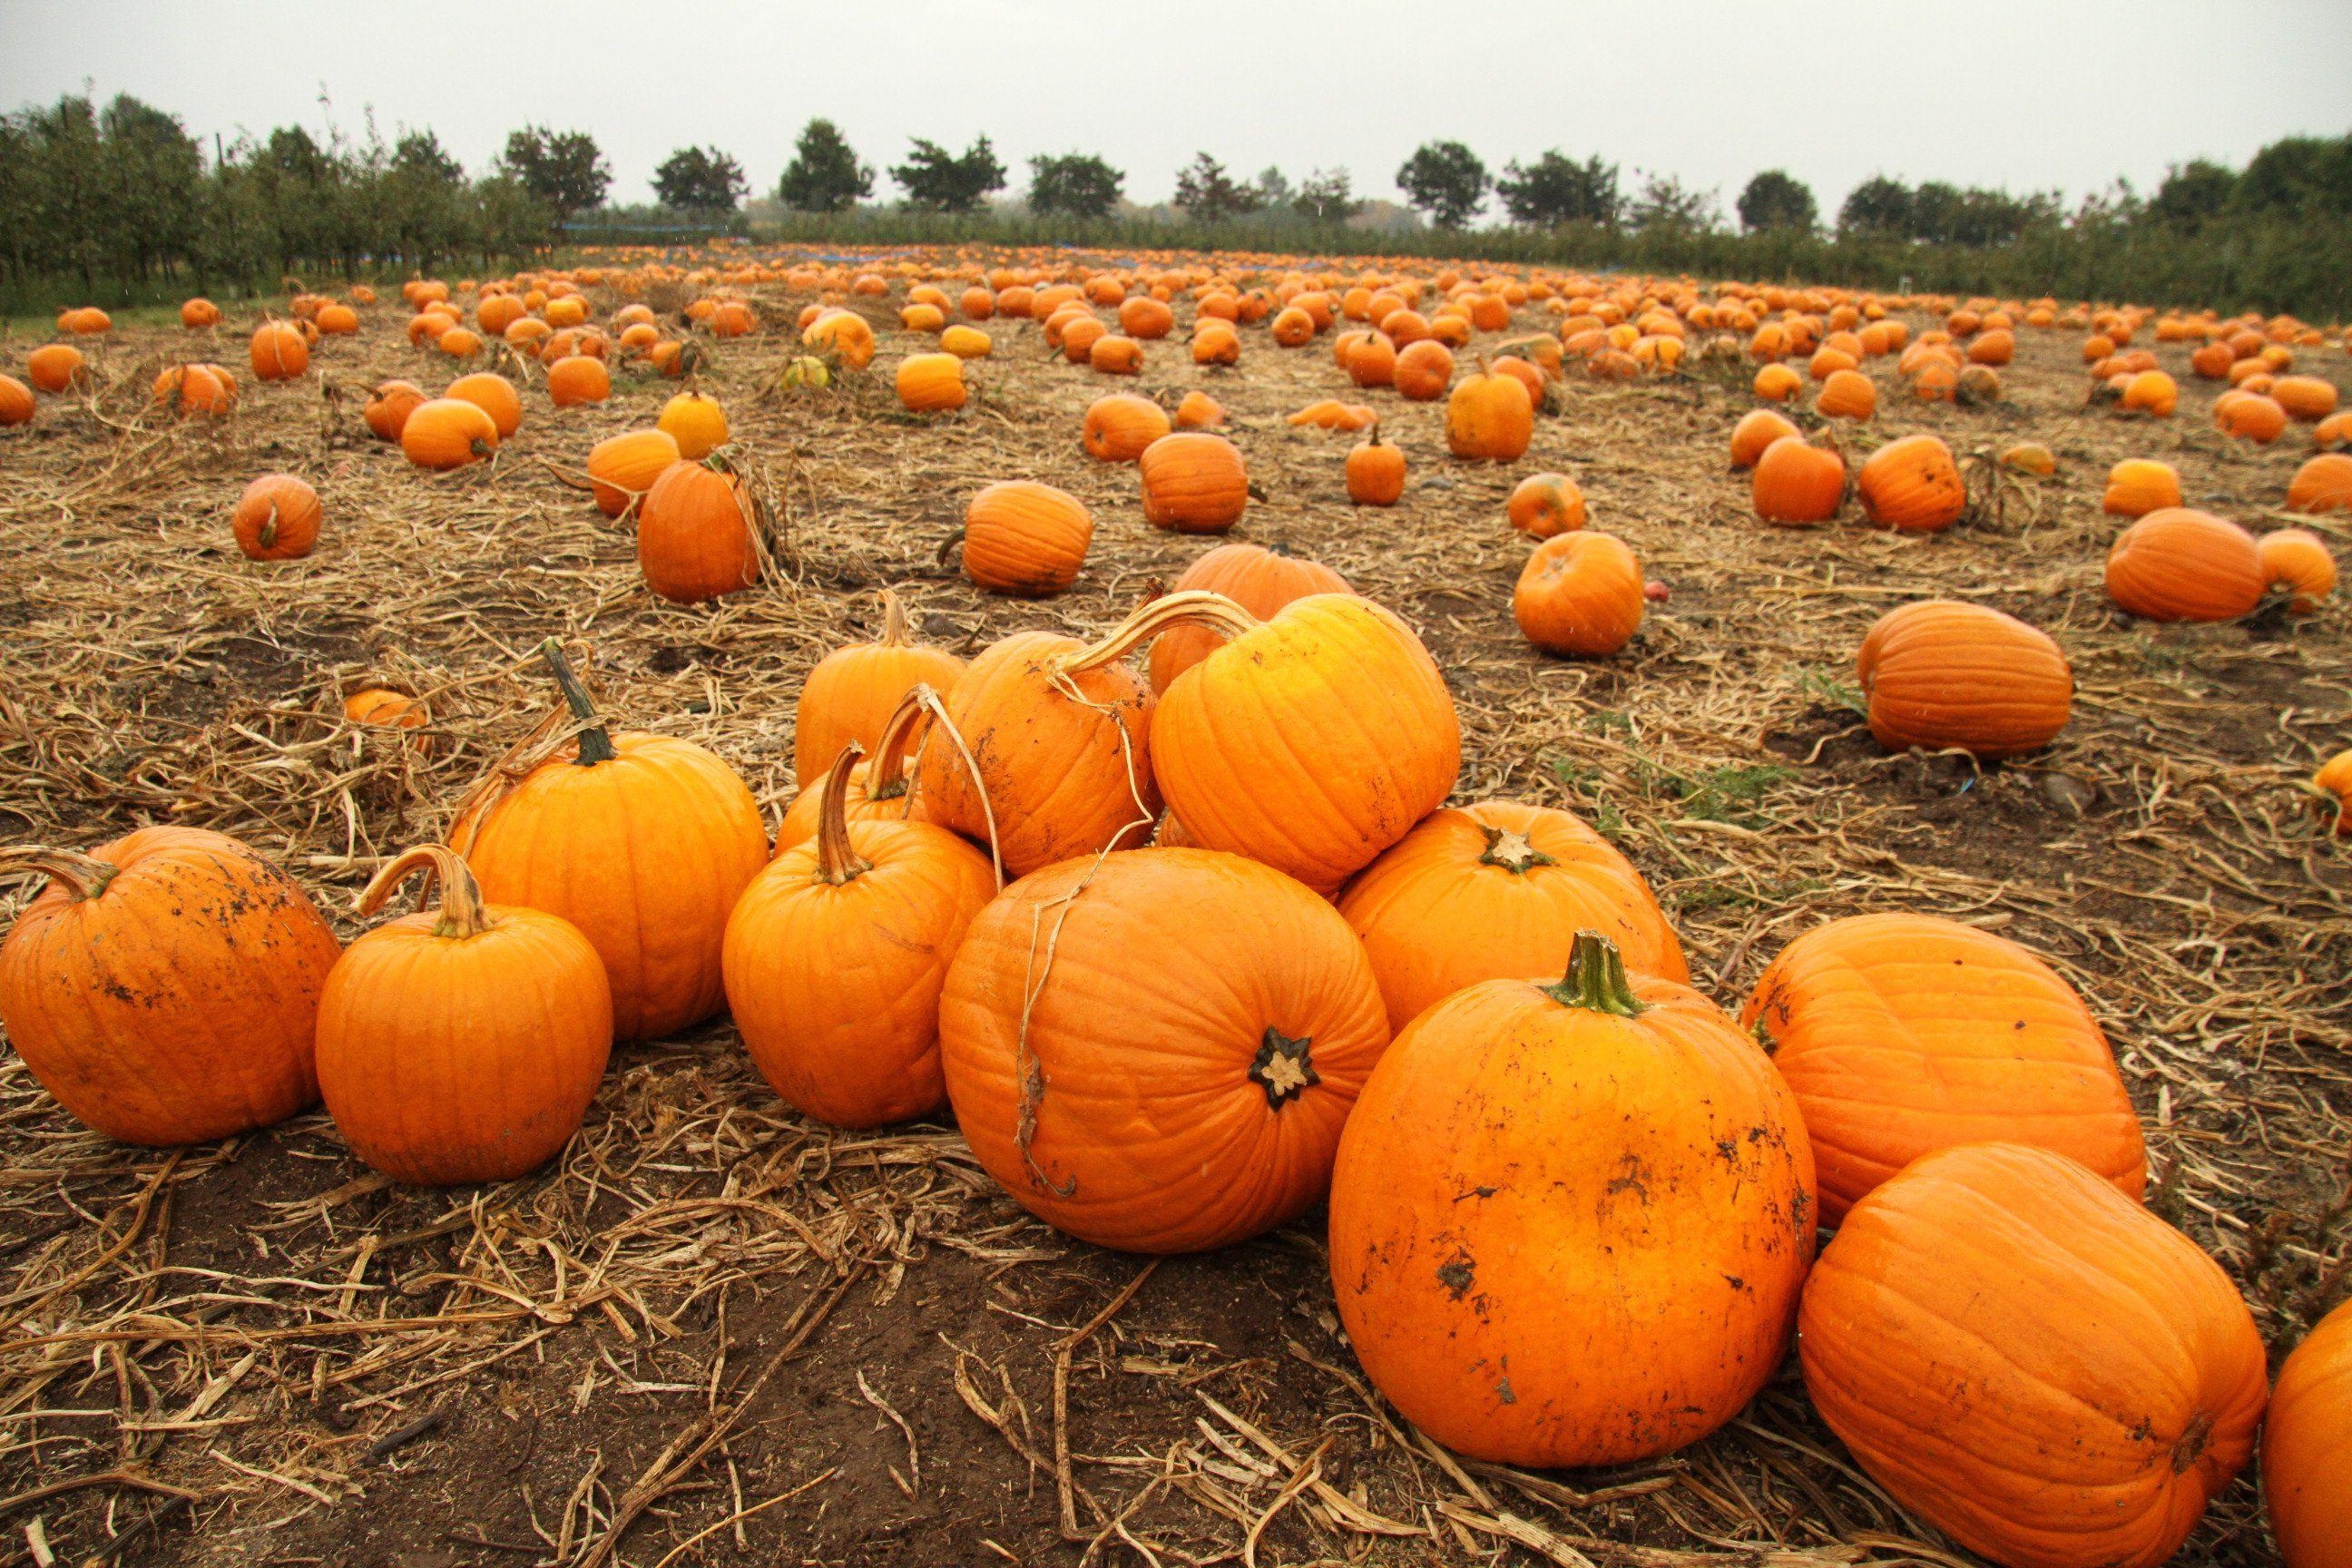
<point x="1939" y="673"/>
<point x="1193" y="482"/>
<point x="463" y="1045"/>
<point x="1310" y="741"/>
<point x="698" y="533"/>
<point x="2177" y="565"/>
<point x="644" y="842"/>
<point x="1025" y="539"/>
<point x="1570" y="1220"/>
<point x="836" y="955"/>
<point x="1498" y="890"/>
<point x="1489" y="414"/>
<point x="1259" y="579"/>
<point x="1155" y="1051"/>
<point x="1903" y="1034"/>
<point x="165" y="988"/>
<point x="853" y="692"/>
<point x="2029" y="1360"/>
<point x="2307" y="1449"/>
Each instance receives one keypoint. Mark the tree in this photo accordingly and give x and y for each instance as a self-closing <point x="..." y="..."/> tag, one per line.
<point x="1273" y="188"/>
<point x="1775" y="199"/>
<point x="1207" y="194"/>
<point x="1554" y="190"/>
<point x="936" y="180"/>
<point x="563" y="169"/>
<point x="1665" y="203"/>
<point x="1446" y="180"/>
<point x="1076" y="184"/>
<point x="2301" y="174"/>
<point x="700" y="180"/>
<point x="1878" y="206"/>
<point x="1326" y="196"/>
<point x="824" y="175"/>
<point x="420" y="156"/>
<point x="2193" y="193"/>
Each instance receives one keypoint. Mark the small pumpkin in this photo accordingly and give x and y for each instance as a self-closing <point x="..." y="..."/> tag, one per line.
<point x="1193" y="482"/>
<point x="577" y="379"/>
<point x="494" y="394"/>
<point x="1424" y="370"/>
<point x="2177" y="565"/>
<point x="1797" y="482"/>
<point x="447" y="433"/>
<point x="1756" y="431"/>
<point x="1847" y="394"/>
<point x="1912" y="485"/>
<point x="15" y="402"/>
<point x="1579" y="594"/>
<point x="696" y="422"/>
<point x="277" y="518"/>
<point x="464" y="1044"/>
<point x="622" y="469"/>
<point x="1375" y="471"/>
<point x="1120" y="425"/>
<point x="186" y="389"/>
<point x="1260" y="580"/>
<point x="931" y="384"/>
<point x="1542" y="505"/>
<point x="2138" y="486"/>
<point x="279" y="351"/>
<point x="2297" y="561"/>
<point x="1489" y="416"/>
<point x="2322" y="484"/>
<point x="1025" y="539"/>
<point x="381" y="707"/>
<point x="1199" y="411"/>
<point x="853" y="690"/>
<point x="57" y="368"/>
<point x="1938" y="673"/>
<point x="388" y="407"/>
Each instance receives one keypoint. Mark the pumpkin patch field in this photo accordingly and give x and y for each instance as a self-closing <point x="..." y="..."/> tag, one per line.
<point x="748" y="905"/>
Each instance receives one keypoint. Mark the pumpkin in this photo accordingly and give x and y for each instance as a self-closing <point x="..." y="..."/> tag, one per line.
<point x="695" y="423"/>
<point x="277" y="518"/>
<point x="1940" y="674"/>
<point x="1489" y="415"/>
<point x="1912" y="485"/>
<point x="2029" y="1360"/>
<point x="576" y="379"/>
<point x="1777" y="384"/>
<point x="1025" y="539"/>
<point x="1060" y="748"/>
<point x="1119" y="425"/>
<point x="15" y="402"/>
<point x="1199" y="411"/>
<point x="1330" y="414"/>
<point x="2030" y="457"/>
<point x="1193" y="482"/>
<point x="1757" y="430"/>
<point x="1798" y="482"/>
<point x="381" y="707"/>
<point x="388" y="407"/>
<point x="1495" y="891"/>
<point x="2250" y="415"/>
<point x="1847" y="394"/>
<point x="1542" y="505"/>
<point x="463" y="1045"/>
<point x="2138" y="486"/>
<point x="1173" y="1105"/>
<point x="1311" y="741"/>
<point x="1569" y="1221"/>
<point x="836" y="955"/>
<point x="622" y="469"/>
<point x="1374" y="361"/>
<point x="1375" y="471"/>
<point x="56" y="368"/>
<point x="447" y="433"/>
<point x="843" y="335"/>
<point x="2322" y="484"/>
<point x="698" y="533"/>
<point x="198" y="313"/>
<point x="2176" y="564"/>
<point x="2307" y="1447"/>
<point x="494" y="394"/>
<point x="1579" y="594"/>
<point x="1113" y="354"/>
<point x="931" y="384"/>
<point x="1260" y="580"/>
<point x="1424" y="370"/>
<point x="1902" y="1034"/>
<point x="279" y="351"/>
<point x="186" y="389"/>
<point x="853" y="690"/>
<point x="882" y="788"/>
<point x="644" y="842"/>
<point x="164" y="987"/>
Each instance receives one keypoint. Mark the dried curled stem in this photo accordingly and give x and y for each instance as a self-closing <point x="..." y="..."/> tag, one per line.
<point x="462" y="913"/>
<point x="1192" y="607"/>
<point x="81" y="875"/>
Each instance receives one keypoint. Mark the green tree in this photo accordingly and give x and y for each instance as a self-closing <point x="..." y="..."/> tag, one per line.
<point x="1775" y="199"/>
<point x="1878" y="206"/>
<point x="1445" y="181"/>
<point x="1555" y="189"/>
<point x="563" y="169"/>
<point x="2298" y="175"/>
<point x="1207" y="194"/>
<point x="824" y="175"/>
<point x="936" y="180"/>
<point x="1665" y="203"/>
<point x="2193" y="193"/>
<point x="1078" y="185"/>
<point x="1326" y="196"/>
<point x="699" y="180"/>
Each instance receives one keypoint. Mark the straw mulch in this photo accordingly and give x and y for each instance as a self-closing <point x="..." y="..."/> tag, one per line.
<point x="719" y="1334"/>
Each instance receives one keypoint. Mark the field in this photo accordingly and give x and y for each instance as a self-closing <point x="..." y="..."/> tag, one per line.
<point x="716" y="1332"/>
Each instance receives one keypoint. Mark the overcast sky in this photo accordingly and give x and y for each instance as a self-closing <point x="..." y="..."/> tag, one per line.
<point x="2024" y="93"/>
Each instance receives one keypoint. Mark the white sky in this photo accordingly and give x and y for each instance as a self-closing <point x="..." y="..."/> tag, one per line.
<point x="2022" y="93"/>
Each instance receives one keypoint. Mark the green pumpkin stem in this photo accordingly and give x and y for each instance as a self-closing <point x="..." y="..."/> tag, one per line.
<point x="837" y="861"/>
<point x="596" y="740"/>
<point x="82" y="875"/>
<point x="1596" y="979"/>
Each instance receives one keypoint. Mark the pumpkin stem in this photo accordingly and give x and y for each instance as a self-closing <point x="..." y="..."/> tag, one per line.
<point x="596" y="740"/>
<point x="1512" y="851"/>
<point x="836" y="860"/>
<point x="1596" y="979"/>
<point x="891" y="774"/>
<point x="894" y="621"/>
<point x="1192" y="607"/>
<point x="462" y="913"/>
<point x="82" y="875"/>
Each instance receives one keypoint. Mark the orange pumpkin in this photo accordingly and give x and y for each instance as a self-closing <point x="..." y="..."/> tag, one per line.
<point x="1495" y="891"/>
<point x="1489" y="416"/>
<point x="2138" y="486"/>
<point x="931" y="384"/>
<point x="1756" y="431"/>
<point x="2307" y="1447"/>
<point x="1912" y="485"/>
<point x="2252" y="415"/>
<point x="698" y="533"/>
<point x="1375" y="471"/>
<point x="576" y="379"/>
<point x="1025" y="539"/>
<point x="1206" y="1105"/>
<point x="2309" y="398"/>
<point x="1199" y="411"/>
<point x="622" y="469"/>
<point x="2029" y="1360"/>
<point x="853" y="690"/>
<point x="1119" y="425"/>
<point x="1579" y="593"/>
<point x="389" y="407"/>
<point x="164" y="987"/>
<point x="56" y="368"/>
<point x="696" y="422"/>
<point x="1847" y="394"/>
<point x="15" y="402"/>
<point x="494" y="394"/>
<point x="447" y="433"/>
<point x="277" y="518"/>
<point x="1259" y="580"/>
<point x="279" y="351"/>
<point x="1542" y="505"/>
<point x="1937" y="673"/>
<point x="2322" y="484"/>
<point x="1424" y="370"/>
<point x="2297" y="561"/>
<point x="1193" y="482"/>
<point x="186" y="389"/>
<point x="1569" y="1221"/>
<point x="1798" y="482"/>
<point x="2176" y="564"/>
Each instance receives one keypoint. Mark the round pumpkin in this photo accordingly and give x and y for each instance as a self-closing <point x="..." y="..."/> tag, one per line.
<point x="279" y="351"/>
<point x="388" y="407"/>
<point x="1570" y="1220"/>
<point x="1495" y="891"/>
<point x="2138" y="486"/>
<point x="15" y="402"/>
<point x="931" y="384"/>
<point x="2307" y="1447"/>
<point x="2176" y="564"/>
<point x="1193" y="482"/>
<point x="1847" y="394"/>
<point x="696" y="422"/>
<point x="1798" y="482"/>
<point x="854" y="689"/>
<point x="1912" y="485"/>
<point x="277" y="518"/>
<point x="1542" y="505"/>
<point x="2296" y="561"/>
<point x="1025" y="539"/>
<point x="1489" y="415"/>
<point x="1121" y="424"/>
<point x="2322" y="484"/>
<point x="186" y="389"/>
<point x="1260" y="580"/>
<point x="2029" y="1360"/>
<point x="463" y="1045"/>
<point x="1579" y="593"/>
<point x="1937" y="673"/>
<point x="56" y="368"/>
<point x="697" y="535"/>
<point x="164" y="987"/>
<point x="576" y="379"/>
<point x="1155" y="1051"/>
<point x="1375" y="470"/>
<point x="494" y="394"/>
<point x="622" y="469"/>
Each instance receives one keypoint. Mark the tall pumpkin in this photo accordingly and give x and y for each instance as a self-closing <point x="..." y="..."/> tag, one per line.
<point x="1193" y="482"/>
<point x="836" y="955"/>
<point x="1156" y="1051"/>
<point x="464" y="1045"/>
<point x="853" y="691"/>
<point x="164" y="987"/>
<point x="1259" y="579"/>
<point x="644" y="842"/>
<point x="2032" y="1362"/>
<point x="1498" y="890"/>
<point x="2307" y="1447"/>
<point x="2180" y="565"/>
<point x="1903" y="1034"/>
<point x="1939" y="673"/>
<point x="1569" y="1221"/>
<point x="697" y="532"/>
<point x="1489" y="415"/>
